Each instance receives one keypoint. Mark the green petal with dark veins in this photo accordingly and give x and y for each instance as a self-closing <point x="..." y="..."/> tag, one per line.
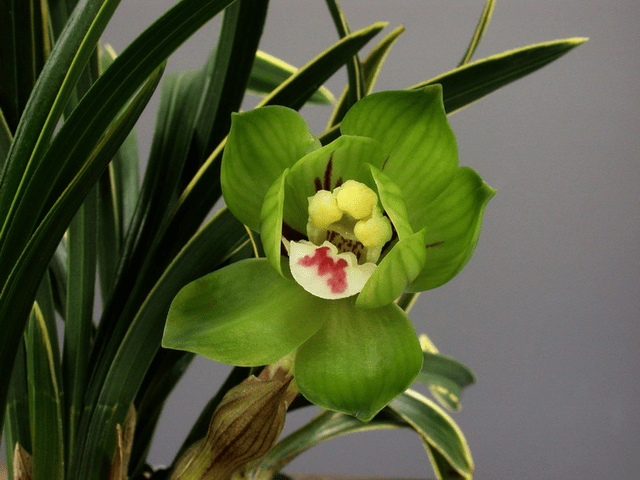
<point x="413" y="128"/>
<point x="393" y="202"/>
<point x="453" y="228"/>
<point x="396" y="270"/>
<point x="271" y="221"/>
<point x="262" y="143"/>
<point x="359" y="360"/>
<point x="244" y="314"/>
<point x="325" y="169"/>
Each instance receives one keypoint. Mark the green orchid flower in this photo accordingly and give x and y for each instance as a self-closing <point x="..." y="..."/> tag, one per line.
<point x="346" y="229"/>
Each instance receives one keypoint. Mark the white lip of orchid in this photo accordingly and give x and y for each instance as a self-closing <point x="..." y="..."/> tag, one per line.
<point x="347" y="231"/>
<point x="325" y="273"/>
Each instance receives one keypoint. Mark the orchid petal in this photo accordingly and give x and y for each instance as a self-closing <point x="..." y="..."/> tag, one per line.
<point x="453" y="224"/>
<point x="393" y="202"/>
<point x="359" y="360"/>
<point x="413" y="129"/>
<point x="398" y="269"/>
<point x="262" y="143"/>
<point x="271" y="221"/>
<point x="243" y="314"/>
<point x="325" y="273"/>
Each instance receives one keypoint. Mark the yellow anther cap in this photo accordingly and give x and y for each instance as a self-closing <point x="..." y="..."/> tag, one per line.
<point x="356" y="199"/>
<point x="374" y="232"/>
<point x="323" y="209"/>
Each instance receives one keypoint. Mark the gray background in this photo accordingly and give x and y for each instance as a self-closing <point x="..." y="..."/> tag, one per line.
<point x="547" y="311"/>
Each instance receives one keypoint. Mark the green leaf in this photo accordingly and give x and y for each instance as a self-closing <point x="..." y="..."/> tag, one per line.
<point x="45" y="397"/>
<point x="354" y="68"/>
<point x="5" y="139"/>
<point x="396" y="270"/>
<point x="453" y="226"/>
<point x="483" y="23"/>
<point x="325" y="426"/>
<point x="17" y="428"/>
<point x="81" y="278"/>
<point x="22" y="284"/>
<point x="262" y="143"/>
<point x="271" y="222"/>
<point x="295" y="91"/>
<point x="413" y="129"/>
<point x="436" y="428"/>
<point x="326" y="168"/>
<point x="268" y="72"/>
<point x="243" y="314"/>
<point x="472" y="81"/>
<point x="359" y="360"/>
<point x="446" y="377"/>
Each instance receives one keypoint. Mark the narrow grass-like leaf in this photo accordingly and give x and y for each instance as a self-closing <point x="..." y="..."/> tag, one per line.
<point x="299" y="87"/>
<point x="81" y="238"/>
<point x="446" y="377"/>
<point x="226" y="76"/>
<point x="17" y="428"/>
<point x="483" y="23"/>
<point x="325" y="426"/>
<point x="356" y="89"/>
<point x="5" y="139"/>
<point x="268" y="72"/>
<point x="45" y="401"/>
<point x="472" y="81"/>
<point x="22" y="52"/>
<point x="436" y="428"/>
<point x="118" y="388"/>
<point x="20" y="289"/>
<point x="41" y="114"/>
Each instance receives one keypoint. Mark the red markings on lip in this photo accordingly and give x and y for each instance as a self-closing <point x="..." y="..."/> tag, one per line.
<point x="326" y="265"/>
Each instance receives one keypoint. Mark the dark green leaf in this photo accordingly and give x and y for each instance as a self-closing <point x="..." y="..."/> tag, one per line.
<point x="268" y="72"/>
<point x="472" y="81"/>
<point x="483" y="23"/>
<point x="45" y="401"/>
<point x="446" y="377"/>
<point x="325" y="426"/>
<point x="436" y="428"/>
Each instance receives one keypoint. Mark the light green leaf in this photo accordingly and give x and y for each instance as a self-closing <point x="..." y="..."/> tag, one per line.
<point x="327" y="168"/>
<point x="5" y="139"/>
<point x="436" y="428"/>
<point x="45" y="401"/>
<point x="271" y="221"/>
<point x="396" y="270"/>
<point x="413" y="129"/>
<point x="243" y="314"/>
<point x="453" y="226"/>
<point x="262" y="143"/>
<point x="392" y="199"/>
<point x="268" y="72"/>
<point x="359" y="360"/>
<point x="483" y="23"/>
<point x="446" y="377"/>
<point x="472" y="81"/>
